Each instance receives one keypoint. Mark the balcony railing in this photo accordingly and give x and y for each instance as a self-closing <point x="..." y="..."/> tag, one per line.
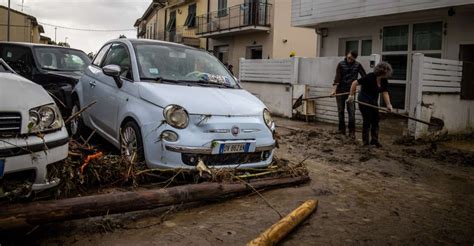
<point x="180" y="34"/>
<point x="238" y="16"/>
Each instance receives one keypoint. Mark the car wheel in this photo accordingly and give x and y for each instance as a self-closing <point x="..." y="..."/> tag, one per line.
<point x="131" y="143"/>
<point x="76" y="125"/>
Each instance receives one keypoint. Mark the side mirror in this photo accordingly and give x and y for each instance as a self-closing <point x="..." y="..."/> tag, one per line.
<point x="114" y="72"/>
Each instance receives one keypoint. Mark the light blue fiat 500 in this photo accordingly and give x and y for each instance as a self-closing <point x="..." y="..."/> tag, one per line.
<point x="171" y="106"/>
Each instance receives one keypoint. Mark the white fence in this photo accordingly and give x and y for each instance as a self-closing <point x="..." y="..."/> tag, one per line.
<point x="270" y="70"/>
<point x="435" y="88"/>
<point x="440" y="75"/>
<point x="317" y="73"/>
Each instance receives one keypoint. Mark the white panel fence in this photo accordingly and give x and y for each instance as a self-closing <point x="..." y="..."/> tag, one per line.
<point x="440" y="75"/>
<point x="317" y="73"/>
<point x="269" y="70"/>
<point x="431" y="76"/>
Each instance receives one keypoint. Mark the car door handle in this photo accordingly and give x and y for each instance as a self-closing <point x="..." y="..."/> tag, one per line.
<point x="92" y="83"/>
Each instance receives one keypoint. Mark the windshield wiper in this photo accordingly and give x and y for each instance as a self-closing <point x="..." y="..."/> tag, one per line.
<point x="160" y="79"/>
<point x="49" y="68"/>
<point x="207" y="83"/>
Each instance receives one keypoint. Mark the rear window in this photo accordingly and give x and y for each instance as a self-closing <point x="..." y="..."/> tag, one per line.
<point x="18" y="58"/>
<point x="51" y="58"/>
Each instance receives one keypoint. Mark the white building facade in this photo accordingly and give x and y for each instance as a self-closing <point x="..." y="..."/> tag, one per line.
<point x="395" y="29"/>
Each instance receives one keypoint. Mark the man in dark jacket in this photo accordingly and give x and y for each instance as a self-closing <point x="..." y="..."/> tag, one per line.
<point x="346" y="72"/>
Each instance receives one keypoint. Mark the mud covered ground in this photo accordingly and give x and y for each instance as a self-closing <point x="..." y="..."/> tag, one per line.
<point x="405" y="193"/>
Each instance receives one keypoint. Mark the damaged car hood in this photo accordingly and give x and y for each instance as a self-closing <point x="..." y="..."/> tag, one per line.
<point x="75" y="75"/>
<point x="18" y="93"/>
<point x="202" y="100"/>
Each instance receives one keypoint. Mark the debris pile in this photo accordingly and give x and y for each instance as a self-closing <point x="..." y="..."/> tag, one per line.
<point x="87" y="171"/>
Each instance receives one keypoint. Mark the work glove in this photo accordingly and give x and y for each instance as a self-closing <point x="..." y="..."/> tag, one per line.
<point x="389" y="108"/>
<point x="350" y="99"/>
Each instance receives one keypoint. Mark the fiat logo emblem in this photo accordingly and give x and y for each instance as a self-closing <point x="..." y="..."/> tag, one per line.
<point x="235" y="130"/>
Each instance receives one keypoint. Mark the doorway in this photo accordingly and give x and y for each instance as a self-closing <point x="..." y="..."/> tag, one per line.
<point x="254" y="52"/>
<point x="466" y="52"/>
<point x="222" y="53"/>
<point x="466" y="55"/>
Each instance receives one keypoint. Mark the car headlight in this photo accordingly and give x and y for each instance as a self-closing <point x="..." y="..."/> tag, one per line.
<point x="267" y="118"/>
<point x="176" y="116"/>
<point x="44" y="118"/>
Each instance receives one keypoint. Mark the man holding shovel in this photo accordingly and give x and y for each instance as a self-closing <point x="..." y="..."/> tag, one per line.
<point x="346" y="72"/>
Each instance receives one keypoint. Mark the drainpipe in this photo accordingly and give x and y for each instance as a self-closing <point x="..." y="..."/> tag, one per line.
<point x="207" y="15"/>
<point x="166" y="19"/>
<point x="8" y="22"/>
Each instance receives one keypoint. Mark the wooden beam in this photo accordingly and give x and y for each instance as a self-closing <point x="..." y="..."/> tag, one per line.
<point x="278" y="231"/>
<point x="36" y="213"/>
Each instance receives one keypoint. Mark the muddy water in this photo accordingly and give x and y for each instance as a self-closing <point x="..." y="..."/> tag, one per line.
<point x="400" y="194"/>
<point x="463" y="145"/>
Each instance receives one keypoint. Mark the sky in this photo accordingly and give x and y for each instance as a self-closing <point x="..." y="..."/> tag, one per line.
<point x="84" y="14"/>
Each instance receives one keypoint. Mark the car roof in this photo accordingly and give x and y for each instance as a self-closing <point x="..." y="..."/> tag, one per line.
<point x="24" y="44"/>
<point x="150" y="41"/>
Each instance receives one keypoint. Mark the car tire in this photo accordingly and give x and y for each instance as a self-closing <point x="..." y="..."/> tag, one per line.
<point x="131" y="143"/>
<point x="76" y="126"/>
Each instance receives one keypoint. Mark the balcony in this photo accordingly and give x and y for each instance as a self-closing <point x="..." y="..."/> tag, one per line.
<point x="182" y="35"/>
<point x="238" y="19"/>
<point x="142" y="29"/>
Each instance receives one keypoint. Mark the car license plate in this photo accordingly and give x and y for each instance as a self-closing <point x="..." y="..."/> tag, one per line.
<point x="226" y="148"/>
<point x="2" y="167"/>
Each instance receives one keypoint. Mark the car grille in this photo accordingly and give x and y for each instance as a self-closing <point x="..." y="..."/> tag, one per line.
<point x="225" y="159"/>
<point x="10" y="123"/>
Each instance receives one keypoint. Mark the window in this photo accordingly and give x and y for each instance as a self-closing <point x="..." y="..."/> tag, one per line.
<point x="3" y="68"/>
<point x="222" y="53"/>
<point x="397" y="95"/>
<point x="362" y="46"/>
<point x="427" y="36"/>
<point x="399" y="65"/>
<point x="352" y="45"/>
<point x="398" y="46"/>
<point x="366" y="48"/>
<point x="191" y="19"/>
<point x="172" y="22"/>
<point x="100" y="56"/>
<point x="18" y="58"/>
<point x="254" y="52"/>
<point x="59" y="59"/>
<point x="180" y="63"/>
<point x="395" y="38"/>
<point x="221" y="8"/>
<point x="152" y="34"/>
<point x="118" y="55"/>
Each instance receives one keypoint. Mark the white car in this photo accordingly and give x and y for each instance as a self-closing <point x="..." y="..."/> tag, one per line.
<point x="172" y="106"/>
<point x="32" y="132"/>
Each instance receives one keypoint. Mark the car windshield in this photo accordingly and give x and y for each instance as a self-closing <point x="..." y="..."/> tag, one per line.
<point x="172" y="63"/>
<point x="61" y="59"/>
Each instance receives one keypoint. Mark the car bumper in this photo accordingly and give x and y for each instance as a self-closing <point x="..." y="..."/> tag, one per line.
<point x="197" y="142"/>
<point x="34" y="153"/>
<point x="208" y="150"/>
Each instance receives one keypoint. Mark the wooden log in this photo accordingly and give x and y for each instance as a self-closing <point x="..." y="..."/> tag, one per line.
<point x="36" y="213"/>
<point x="278" y="231"/>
